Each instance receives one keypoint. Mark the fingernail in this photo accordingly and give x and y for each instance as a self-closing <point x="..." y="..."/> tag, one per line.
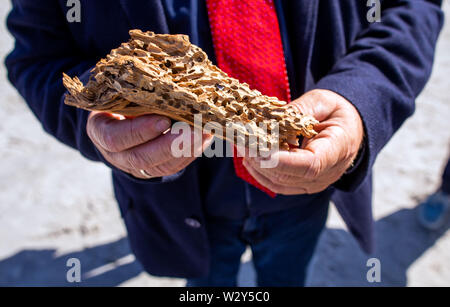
<point x="162" y="125"/>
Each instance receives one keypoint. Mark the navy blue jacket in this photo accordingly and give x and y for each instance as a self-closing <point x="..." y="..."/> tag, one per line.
<point x="329" y="44"/>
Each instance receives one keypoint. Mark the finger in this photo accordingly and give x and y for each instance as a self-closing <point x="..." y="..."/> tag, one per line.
<point x="318" y="156"/>
<point x="170" y="167"/>
<point x="294" y="163"/>
<point x="158" y="151"/>
<point x="319" y="104"/>
<point x="146" y="155"/>
<point x="273" y="173"/>
<point x="174" y="165"/>
<point x="122" y="166"/>
<point x="115" y="135"/>
<point x="332" y="174"/>
<point x="274" y="187"/>
<point x="164" y="169"/>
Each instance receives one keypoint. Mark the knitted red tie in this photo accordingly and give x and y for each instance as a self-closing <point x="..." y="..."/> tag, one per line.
<point x="248" y="47"/>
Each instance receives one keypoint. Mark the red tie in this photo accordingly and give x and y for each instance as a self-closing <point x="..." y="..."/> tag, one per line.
<point x="248" y="47"/>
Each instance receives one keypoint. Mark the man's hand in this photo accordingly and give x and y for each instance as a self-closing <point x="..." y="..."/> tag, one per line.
<point x="323" y="159"/>
<point x="138" y="144"/>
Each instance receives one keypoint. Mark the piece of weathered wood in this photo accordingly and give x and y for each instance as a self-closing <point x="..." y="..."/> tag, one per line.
<point x="167" y="75"/>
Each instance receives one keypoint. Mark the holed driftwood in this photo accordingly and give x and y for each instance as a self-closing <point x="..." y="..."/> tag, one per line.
<point x="167" y="75"/>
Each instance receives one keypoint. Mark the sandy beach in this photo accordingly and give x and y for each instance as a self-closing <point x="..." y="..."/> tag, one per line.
<point x="56" y="205"/>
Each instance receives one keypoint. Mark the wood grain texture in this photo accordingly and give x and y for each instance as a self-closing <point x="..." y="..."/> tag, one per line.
<point x="166" y="74"/>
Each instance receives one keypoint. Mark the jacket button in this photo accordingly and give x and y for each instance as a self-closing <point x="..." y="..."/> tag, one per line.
<point x="192" y="222"/>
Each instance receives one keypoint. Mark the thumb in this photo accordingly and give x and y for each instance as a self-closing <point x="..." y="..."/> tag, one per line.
<point x="316" y="103"/>
<point x="321" y="152"/>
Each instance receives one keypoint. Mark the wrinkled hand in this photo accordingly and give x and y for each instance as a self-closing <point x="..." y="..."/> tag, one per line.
<point x="135" y="144"/>
<point x="323" y="159"/>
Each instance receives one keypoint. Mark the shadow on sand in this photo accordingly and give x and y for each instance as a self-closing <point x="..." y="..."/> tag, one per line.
<point x="338" y="261"/>
<point x="400" y="240"/>
<point x="103" y="265"/>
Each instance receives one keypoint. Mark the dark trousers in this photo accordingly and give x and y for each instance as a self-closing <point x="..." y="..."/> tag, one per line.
<point x="446" y="179"/>
<point x="282" y="245"/>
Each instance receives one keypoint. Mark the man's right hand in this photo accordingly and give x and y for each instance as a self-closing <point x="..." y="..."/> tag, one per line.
<point x="138" y="145"/>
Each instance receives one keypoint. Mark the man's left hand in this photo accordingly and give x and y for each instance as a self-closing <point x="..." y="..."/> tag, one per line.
<point x="321" y="160"/>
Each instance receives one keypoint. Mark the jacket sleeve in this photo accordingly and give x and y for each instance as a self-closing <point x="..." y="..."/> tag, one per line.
<point x="383" y="72"/>
<point x="44" y="49"/>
